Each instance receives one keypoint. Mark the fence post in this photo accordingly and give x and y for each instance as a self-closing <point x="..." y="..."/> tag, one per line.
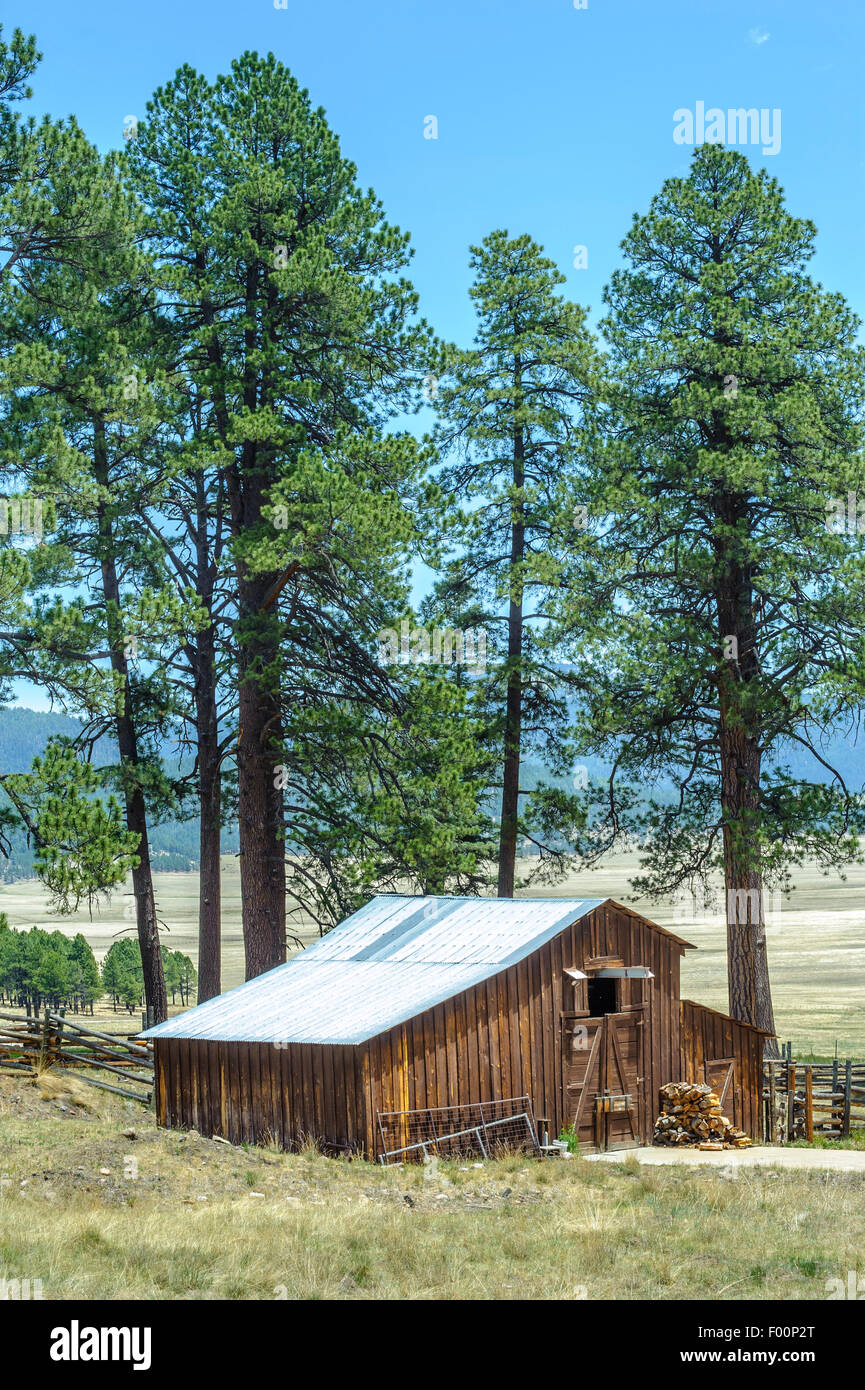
<point x="809" y="1104"/>
<point x="791" y="1101"/>
<point x="44" y="1050"/>
<point x="848" y="1095"/>
<point x="772" y="1116"/>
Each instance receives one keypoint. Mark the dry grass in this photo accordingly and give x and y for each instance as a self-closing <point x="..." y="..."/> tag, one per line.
<point x="53" y="1083"/>
<point x="96" y="1214"/>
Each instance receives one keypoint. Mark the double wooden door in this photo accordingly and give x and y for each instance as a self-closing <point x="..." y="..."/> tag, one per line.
<point x="604" y="1079"/>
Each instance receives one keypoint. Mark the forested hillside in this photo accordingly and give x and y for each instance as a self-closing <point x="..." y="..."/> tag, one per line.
<point x="23" y="736"/>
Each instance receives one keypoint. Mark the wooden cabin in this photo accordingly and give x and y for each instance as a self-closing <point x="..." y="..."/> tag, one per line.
<point x="440" y="1006"/>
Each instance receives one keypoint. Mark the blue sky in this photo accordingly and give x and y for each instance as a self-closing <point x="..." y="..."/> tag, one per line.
<point x="552" y="120"/>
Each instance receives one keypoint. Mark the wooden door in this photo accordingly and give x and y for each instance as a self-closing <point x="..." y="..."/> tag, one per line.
<point x="583" y="1057"/>
<point x="602" y="1067"/>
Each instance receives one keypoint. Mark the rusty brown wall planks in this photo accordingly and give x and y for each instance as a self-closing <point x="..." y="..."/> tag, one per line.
<point x="258" y="1093"/>
<point x="159" y="1095"/>
<point x="708" y="1035"/>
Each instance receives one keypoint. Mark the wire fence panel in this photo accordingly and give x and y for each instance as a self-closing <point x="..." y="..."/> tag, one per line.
<point x="484" y="1129"/>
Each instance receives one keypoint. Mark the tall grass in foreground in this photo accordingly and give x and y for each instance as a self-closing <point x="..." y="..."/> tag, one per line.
<point x="204" y="1220"/>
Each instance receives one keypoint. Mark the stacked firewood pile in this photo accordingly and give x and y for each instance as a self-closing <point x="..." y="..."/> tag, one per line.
<point x="691" y="1115"/>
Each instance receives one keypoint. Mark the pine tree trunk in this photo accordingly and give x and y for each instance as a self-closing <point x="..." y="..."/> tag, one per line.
<point x="510" y="789"/>
<point x="747" y="962"/>
<point x="142" y="875"/>
<point x="210" y="834"/>
<point x="260" y="802"/>
<point x="260" y="811"/>
<point x="514" y="696"/>
<point x="750" y="995"/>
<point x="145" y="903"/>
<point x="136" y="810"/>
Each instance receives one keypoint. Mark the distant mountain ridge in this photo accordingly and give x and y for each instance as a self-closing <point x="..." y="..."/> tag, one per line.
<point x="23" y="736"/>
<point x="25" y="732"/>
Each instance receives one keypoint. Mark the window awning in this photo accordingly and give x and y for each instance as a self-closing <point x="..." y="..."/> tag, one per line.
<point x="624" y="972"/>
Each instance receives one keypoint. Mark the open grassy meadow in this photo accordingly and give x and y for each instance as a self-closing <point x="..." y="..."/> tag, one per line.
<point x="95" y="1202"/>
<point x="816" y="942"/>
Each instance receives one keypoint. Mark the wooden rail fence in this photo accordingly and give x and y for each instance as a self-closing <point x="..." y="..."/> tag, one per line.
<point x="28" y="1044"/>
<point x="804" y="1099"/>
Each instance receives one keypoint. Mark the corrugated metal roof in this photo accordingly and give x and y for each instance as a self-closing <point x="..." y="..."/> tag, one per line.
<point x="386" y="963"/>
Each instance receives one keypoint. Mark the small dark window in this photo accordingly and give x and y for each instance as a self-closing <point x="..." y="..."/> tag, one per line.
<point x="602" y="996"/>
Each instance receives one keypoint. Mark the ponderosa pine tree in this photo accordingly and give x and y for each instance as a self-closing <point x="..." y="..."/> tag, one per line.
<point x="513" y="411"/>
<point x="58" y="207"/>
<point x="86" y="422"/>
<point x="725" y="610"/>
<point x="187" y="521"/>
<point x="288" y="285"/>
<point x="192" y="523"/>
<point x="64" y="230"/>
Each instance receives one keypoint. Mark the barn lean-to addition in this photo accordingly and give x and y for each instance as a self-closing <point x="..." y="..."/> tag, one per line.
<point x="418" y="1003"/>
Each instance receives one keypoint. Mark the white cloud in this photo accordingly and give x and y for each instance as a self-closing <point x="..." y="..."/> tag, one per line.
<point x="758" y="36"/>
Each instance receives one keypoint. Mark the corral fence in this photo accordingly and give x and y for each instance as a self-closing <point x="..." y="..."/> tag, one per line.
<point x="484" y="1129"/>
<point x="804" y="1100"/>
<point x="52" y="1039"/>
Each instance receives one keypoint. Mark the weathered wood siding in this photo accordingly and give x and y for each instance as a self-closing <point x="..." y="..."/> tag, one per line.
<point x="708" y="1036"/>
<point x="256" y="1092"/>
